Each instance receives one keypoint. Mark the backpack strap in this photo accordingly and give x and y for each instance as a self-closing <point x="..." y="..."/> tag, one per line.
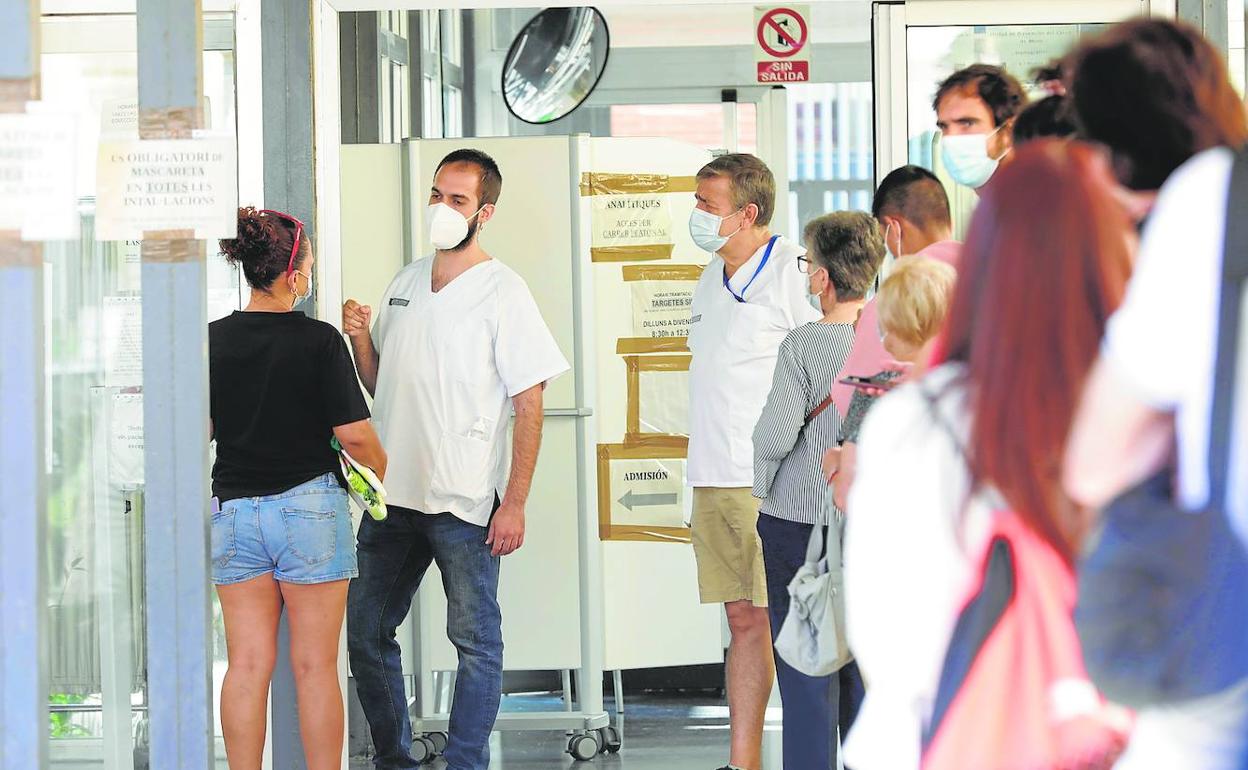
<point x="1234" y="272"/>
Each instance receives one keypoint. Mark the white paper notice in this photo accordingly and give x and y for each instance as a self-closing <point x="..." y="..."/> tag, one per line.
<point x="125" y="440"/>
<point x="131" y="276"/>
<point x="167" y="184"/>
<point x="662" y="308"/>
<point x="648" y="493"/>
<point x="119" y="119"/>
<point x="123" y="341"/>
<point x="37" y="176"/>
<point x="663" y="402"/>
<point x="632" y="220"/>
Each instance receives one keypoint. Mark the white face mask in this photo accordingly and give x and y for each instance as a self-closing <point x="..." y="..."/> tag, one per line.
<point x="812" y="295"/>
<point x="447" y="227"/>
<point x="301" y="297"/>
<point x="704" y="230"/>
<point x="966" y="158"/>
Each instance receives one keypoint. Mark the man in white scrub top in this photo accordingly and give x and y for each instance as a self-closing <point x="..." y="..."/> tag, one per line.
<point x="459" y="343"/>
<point x="751" y="295"/>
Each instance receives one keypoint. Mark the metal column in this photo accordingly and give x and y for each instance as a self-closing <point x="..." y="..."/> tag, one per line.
<point x="289" y="185"/>
<point x="175" y="412"/>
<point x="23" y="517"/>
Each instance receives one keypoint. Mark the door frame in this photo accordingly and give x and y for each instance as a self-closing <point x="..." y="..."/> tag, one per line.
<point x="891" y="20"/>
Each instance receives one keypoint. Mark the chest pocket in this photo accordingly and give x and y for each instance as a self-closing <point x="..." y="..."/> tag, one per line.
<point x="752" y="330"/>
<point x="466" y="350"/>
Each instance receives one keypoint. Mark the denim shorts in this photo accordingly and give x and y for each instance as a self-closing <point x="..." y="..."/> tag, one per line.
<point x="303" y="535"/>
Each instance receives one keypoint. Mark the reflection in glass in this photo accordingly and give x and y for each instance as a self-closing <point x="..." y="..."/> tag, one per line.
<point x="554" y="63"/>
<point x="935" y="53"/>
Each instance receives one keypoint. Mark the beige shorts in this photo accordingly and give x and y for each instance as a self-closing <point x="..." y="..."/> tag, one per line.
<point x="727" y="547"/>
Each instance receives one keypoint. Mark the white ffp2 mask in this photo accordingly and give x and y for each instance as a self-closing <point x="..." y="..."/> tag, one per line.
<point x="447" y="227"/>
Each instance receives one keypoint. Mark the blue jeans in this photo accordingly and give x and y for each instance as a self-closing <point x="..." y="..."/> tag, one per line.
<point x="394" y="555"/>
<point x="813" y="706"/>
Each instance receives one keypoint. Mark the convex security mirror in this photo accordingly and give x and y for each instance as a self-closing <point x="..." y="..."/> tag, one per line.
<point x="555" y="63"/>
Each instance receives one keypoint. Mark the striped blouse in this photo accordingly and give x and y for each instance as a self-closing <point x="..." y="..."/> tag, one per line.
<point x="788" y="455"/>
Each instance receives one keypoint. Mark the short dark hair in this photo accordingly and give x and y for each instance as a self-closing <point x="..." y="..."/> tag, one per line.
<point x="750" y="181"/>
<point x="490" y="187"/>
<point x="998" y="89"/>
<point x="849" y="246"/>
<point x="1155" y="92"/>
<point x="1049" y="117"/>
<point x="914" y="193"/>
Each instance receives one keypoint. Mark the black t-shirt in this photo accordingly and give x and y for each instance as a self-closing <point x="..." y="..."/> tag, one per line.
<point x="279" y="383"/>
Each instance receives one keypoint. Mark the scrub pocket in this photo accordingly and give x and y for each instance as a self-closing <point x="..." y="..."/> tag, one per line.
<point x="463" y="470"/>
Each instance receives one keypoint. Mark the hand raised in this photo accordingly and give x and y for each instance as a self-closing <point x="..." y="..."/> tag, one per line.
<point x="356" y="318"/>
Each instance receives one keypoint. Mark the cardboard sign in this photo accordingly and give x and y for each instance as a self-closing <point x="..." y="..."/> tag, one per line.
<point x="641" y="490"/>
<point x="782" y="43"/>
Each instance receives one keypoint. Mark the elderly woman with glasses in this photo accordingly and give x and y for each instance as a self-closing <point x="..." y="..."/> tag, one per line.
<point x="281" y="387"/>
<point x="798" y="425"/>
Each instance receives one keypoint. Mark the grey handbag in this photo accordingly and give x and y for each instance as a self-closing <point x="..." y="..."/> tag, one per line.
<point x="812" y="638"/>
<point x="1163" y="592"/>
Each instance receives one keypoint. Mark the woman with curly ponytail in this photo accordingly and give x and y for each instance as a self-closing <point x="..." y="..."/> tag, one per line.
<point x="282" y="386"/>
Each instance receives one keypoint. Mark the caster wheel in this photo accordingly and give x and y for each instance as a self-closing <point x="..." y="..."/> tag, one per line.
<point x="422" y="750"/>
<point x="583" y="747"/>
<point x="439" y="741"/>
<point x="611" y="741"/>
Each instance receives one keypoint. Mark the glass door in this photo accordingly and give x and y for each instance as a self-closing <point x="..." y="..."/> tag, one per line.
<point x="96" y="633"/>
<point x="917" y="45"/>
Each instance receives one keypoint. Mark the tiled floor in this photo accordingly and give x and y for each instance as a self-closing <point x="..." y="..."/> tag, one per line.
<point x="670" y="732"/>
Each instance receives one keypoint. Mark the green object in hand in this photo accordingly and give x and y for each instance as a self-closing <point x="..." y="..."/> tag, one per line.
<point x="362" y="483"/>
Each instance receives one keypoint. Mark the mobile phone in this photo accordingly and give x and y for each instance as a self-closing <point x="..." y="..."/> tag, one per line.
<point x="877" y="382"/>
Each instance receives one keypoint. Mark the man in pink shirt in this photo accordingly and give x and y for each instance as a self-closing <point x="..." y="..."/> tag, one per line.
<point x="913" y="211"/>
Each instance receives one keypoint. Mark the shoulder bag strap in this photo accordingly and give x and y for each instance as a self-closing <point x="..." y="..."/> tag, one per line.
<point x="818" y="410"/>
<point x="1234" y="272"/>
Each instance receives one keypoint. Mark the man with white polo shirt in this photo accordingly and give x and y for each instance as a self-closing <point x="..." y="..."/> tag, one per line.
<point x="749" y="297"/>
<point x="459" y="343"/>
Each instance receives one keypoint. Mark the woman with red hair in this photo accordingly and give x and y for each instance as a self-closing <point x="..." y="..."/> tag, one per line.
<point x="1045" y="263"/>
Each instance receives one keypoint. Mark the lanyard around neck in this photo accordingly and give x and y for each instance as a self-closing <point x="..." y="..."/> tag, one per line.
<point x="766" y="256"/>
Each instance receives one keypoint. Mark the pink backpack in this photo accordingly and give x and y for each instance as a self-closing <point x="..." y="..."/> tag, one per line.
<point x="1014" y="694"/>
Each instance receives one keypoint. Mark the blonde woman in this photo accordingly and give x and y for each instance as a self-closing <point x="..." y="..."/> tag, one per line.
<point x="912" y="306"/>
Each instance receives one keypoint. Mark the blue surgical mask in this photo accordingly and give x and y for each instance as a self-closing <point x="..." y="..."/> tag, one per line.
<point x="967" y="160"/>
<point x="704" y="230"/>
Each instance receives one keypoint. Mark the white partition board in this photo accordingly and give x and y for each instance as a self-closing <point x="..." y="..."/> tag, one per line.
<point x="652" y="614"/>
<point x="372" y="220"/>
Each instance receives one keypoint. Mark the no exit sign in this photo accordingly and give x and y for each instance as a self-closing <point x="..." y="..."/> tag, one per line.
<point x="782" y="43"/>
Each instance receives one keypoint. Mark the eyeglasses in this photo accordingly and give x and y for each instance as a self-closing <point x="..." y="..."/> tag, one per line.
<point x="294" y="250"/>
<point x="806" y="266"/>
